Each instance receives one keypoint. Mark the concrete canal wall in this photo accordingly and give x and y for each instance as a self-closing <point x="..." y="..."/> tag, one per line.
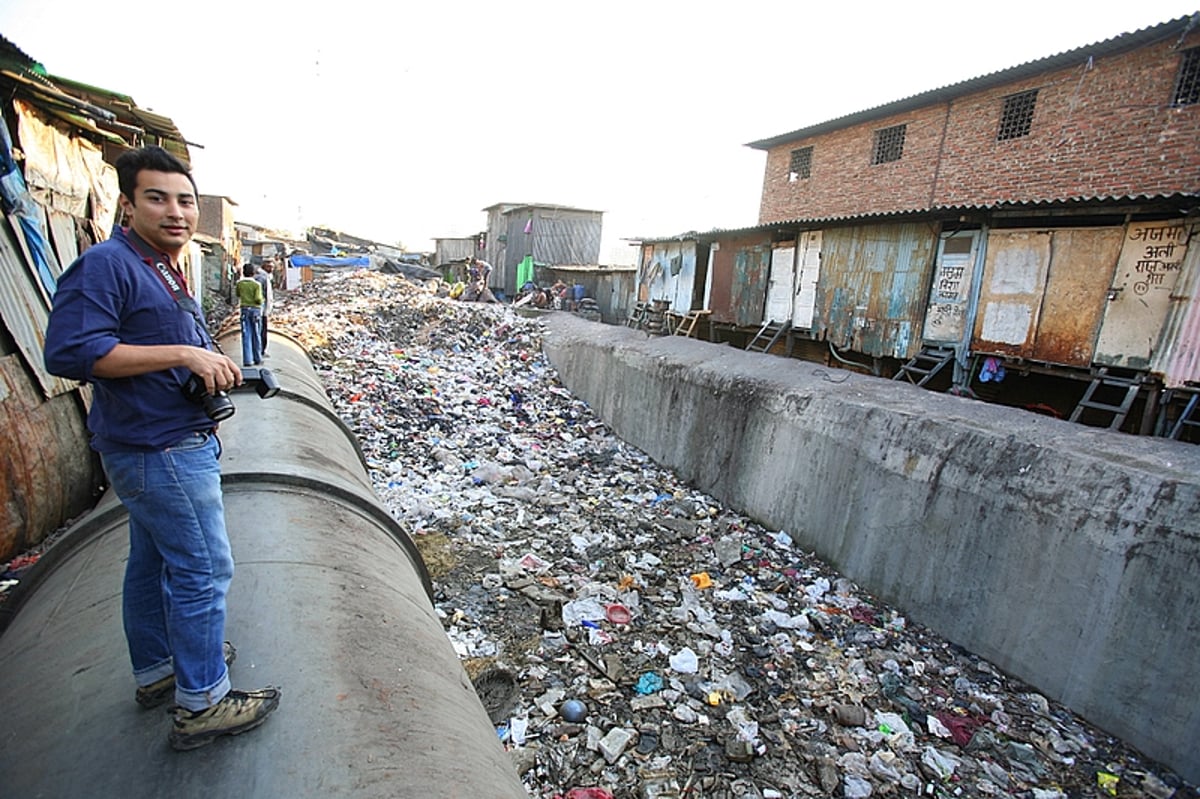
<point x="1067" y="556"/>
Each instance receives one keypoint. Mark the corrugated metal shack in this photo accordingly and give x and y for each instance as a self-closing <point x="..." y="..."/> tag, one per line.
<point x="1056" y="301"/>
<point x="556" y="235"/>
<point x="860" y="287"/>
<point x="62" y="198"/>
<point x="448" y="253"/>
<point x="611" y="287"/>
<point x="984" y="238"/>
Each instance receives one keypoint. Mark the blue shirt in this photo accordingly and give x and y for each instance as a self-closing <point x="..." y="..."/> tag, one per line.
<point x="112" y="295"/>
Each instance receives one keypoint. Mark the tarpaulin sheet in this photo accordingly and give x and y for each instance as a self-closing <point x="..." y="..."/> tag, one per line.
<point x="326" y="260"/>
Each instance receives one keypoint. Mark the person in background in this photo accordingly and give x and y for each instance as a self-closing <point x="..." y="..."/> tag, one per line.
<point x="478" y="272"/>
<point x="124" y="320"/>
<point x="250" y="298"/>
<point x="265" y="276"/>
<point x="558" y="294"/>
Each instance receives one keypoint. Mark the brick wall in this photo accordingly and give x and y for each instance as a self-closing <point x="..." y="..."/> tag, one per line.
<point x="1099" y="129"/>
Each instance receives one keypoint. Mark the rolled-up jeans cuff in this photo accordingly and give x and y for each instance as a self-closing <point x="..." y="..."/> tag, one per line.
<point x="200" y="700"/>
<point x="154" y="673"/>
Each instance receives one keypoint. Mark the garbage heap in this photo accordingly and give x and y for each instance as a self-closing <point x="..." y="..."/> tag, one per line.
<point x="629" y="635"/>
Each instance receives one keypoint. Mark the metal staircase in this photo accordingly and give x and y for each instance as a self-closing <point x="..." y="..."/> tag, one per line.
<point x="1110" y="393"/>
<point x="768" y="335"/>
<point x="922" y="367"/>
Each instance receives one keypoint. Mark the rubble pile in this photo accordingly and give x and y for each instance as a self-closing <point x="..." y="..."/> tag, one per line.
<point x="629" y="635"/>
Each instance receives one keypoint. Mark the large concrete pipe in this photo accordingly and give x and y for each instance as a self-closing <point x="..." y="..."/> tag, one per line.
<point x="330" y="600"/>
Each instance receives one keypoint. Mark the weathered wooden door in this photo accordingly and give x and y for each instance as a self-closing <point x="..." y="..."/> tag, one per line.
<point x="808" y="273"/>
<point x="779" y="288"/>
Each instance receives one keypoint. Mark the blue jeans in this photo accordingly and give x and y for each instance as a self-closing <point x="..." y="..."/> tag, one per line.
<point x="180" y="566"/>
<point x="251" y="336"/>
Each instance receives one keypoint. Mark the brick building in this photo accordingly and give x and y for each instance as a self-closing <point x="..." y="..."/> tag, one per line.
<point x="1024" y="237"/>
<point x="1118" y="119"/>
<point x="1034" y="223"/>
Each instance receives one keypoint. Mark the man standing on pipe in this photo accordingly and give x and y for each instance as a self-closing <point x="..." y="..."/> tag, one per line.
<point x="124" y="320"/>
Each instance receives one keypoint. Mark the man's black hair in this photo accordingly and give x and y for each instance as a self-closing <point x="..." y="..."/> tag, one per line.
<point x="153" y="158"/>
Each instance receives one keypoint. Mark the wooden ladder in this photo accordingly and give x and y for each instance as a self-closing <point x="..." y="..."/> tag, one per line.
<point x="768" y="335"/>
<point x="637" y="316"/>
<point x="687" y="325"/>
<point x="921" y="368"/>
<point x="1102" y="379"/>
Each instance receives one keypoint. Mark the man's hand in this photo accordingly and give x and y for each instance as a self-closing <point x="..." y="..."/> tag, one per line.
<point x="218" y="371"/>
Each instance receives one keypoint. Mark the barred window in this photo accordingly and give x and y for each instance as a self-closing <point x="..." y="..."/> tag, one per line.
<point x="1187" y="84"/>
<point x="1017" y="117"/>
<point x="889" y="144"/>
<point x="801" y="166"/>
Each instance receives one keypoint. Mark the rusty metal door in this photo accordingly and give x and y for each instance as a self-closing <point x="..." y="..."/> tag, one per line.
<point x="779" y="288"/>
<point x="1043" y="293"/>
<point x="751" y="267"/>
<point x="872" y="294"/>
<point x="808" y="268"/>
<point x="1140" y="297"/>
<point x="950" y="294"/>
<point x="1011" y="296"/>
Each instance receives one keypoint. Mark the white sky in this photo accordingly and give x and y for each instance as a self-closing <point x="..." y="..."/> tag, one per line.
<point x="399" y="122"/>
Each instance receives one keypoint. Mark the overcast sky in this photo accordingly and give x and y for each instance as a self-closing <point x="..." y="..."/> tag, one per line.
<point x="401" y="123"/>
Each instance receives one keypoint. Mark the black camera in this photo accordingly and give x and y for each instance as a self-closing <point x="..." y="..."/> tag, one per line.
<point x="218" y="406"/>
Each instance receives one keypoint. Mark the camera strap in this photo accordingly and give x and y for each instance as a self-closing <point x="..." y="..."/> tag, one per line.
<point x="174" y="282"/>
<point x="171" y="278"/>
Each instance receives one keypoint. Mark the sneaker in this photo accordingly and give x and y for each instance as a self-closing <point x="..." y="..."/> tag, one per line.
<point x="238" y="712"/>
<point x="154" y="694"/>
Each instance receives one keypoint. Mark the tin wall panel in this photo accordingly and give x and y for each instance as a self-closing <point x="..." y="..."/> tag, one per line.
<point x="1142" y="293"/>
<point x="25" y="310"/>
<point x="872" y="288"/>
<point x="1177" y="358"/>
<point x="668" y="272"/>
<point x="1043" y="293"/>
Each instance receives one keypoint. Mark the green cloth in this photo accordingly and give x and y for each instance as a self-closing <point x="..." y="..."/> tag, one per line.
<point x="250" y="293"/>
<point x="525" y="271"/>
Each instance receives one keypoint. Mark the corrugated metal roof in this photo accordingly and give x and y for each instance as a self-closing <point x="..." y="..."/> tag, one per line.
<point x="1113" y="46"/>
<point x="1184" y="201"/>
<point x="11" y="55"/>
<point x="510" y="207"/>
<point x="88" y="107"/>
<point x="123" y="107"/>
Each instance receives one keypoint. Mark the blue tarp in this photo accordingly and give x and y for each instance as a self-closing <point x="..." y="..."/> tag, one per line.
<point x="15" y="199"/>
<point x="326" y="260"/>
